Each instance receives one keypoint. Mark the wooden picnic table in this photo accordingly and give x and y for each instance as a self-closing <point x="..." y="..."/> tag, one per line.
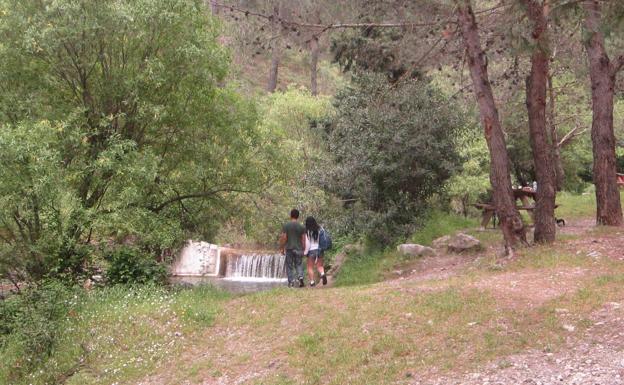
<point x="489" y="210"/>
<point x="522" y="194"/>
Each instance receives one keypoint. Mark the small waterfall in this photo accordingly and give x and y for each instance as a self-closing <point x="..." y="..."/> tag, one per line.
<point x="256" y="267"/>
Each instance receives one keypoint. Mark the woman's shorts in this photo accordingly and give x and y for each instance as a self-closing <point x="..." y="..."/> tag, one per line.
<point x="314" y="254"/>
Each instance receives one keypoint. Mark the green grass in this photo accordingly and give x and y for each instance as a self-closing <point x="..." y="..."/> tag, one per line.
<point x="439" y="224"/>
<point x="365" y="267"/>
<point x="109" y="335"/>
<point x="576" y="206"/>
<point x="377" y="336"/>
<point x="347" y="335"/>
<point x="370" y="266"/>
<point x="548" y="257"/>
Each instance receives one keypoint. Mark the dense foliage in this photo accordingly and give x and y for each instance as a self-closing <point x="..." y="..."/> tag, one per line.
<point x="394" y="148"/>
<point x="292" y="119"/>
<point x="129" y="265"/>
<point x="30" y="327"/>
<point x="114" y="128"/>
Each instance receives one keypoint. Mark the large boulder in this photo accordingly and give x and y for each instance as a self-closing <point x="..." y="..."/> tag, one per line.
<point x="415" y="250"/>
<point x="442" y="242"/>
<point x="461" y="242"/>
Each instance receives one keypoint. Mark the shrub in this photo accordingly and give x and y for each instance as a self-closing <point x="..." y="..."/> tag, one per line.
<point x="394" y="146"/>
<point x="30" y="326"/>
<point x="129" y="265"/>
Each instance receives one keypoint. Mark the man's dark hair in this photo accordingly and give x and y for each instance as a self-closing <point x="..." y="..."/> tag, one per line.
<point x="294" y="214"/>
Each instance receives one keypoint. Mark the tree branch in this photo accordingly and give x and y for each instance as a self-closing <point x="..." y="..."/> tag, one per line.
<point x="567" y="138"/>
<point x="203" y="194"/>
<point x="617" y="64"/>
<point x="325" y="27"/>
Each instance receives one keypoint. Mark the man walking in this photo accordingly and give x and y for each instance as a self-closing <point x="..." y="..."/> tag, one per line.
<point x="294" y="241"/>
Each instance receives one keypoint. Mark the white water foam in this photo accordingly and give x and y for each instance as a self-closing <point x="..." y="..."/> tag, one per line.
<point x="256" y="267"/>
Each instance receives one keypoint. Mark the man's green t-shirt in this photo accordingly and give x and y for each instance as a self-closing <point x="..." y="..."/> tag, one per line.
<point x="294" y="231"/>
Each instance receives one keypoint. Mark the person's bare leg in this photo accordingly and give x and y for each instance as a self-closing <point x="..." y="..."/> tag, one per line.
<point x="311" y="269"/>
<point x="320" y="266"/>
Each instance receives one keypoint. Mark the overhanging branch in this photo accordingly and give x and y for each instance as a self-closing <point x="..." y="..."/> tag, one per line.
<point x="202" y="194"/>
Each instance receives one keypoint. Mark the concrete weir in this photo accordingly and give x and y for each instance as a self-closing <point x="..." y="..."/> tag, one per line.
<point x="203" y="259"/>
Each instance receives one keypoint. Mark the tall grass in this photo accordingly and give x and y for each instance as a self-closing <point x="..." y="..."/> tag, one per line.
<point x="440" y="223"/>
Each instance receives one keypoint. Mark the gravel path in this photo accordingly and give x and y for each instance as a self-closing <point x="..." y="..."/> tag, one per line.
<point x="595" y="357"/>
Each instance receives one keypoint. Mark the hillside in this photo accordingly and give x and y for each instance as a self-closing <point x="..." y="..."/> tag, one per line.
<point x="552" y="314"/>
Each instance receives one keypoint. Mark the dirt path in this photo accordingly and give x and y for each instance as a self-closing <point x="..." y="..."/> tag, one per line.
<point x="595" y="358"/>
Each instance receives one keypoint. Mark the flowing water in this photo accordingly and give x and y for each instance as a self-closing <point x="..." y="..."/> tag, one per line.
<point x="231" y="285"/>
<point x="244" y="273"/>
<point x="256" y="267"/>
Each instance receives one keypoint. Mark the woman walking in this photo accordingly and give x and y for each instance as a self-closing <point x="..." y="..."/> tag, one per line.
<point x="313" y="251"/>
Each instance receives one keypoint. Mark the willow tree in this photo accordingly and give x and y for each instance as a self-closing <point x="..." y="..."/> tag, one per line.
<point x="113" y="128"/>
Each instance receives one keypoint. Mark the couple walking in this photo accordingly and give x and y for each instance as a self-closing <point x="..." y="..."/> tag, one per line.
<point x="296" y="242"/>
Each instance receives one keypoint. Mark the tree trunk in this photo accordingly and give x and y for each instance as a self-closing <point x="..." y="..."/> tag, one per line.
<point x="554" y="137"/>
<point x="314" y="55"/>
<point x="276" y="50"/>
<point x="544" y="213"/>
<point x="602" y="73"/>
<point x="273" y="70"/>
<point x="510" y="221"/>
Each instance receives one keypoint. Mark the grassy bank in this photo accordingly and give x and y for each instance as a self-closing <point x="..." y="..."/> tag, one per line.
<point x="363" y="333"/>
<point x="61" y="335"/>
<point x="385" y="334"/>
<point x="369" y="265"/>
<point x="439" y="224"/>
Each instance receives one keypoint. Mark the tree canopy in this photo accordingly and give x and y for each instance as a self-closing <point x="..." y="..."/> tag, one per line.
<point x="394" y="147"/>
<point x="114" y="128"/>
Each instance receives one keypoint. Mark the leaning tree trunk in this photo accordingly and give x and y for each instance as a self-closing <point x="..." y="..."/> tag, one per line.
<point x="544" y="213"/>
<point x="602" y="73"/>
<point x="510" y="221"/>
<point x="276" y="50"/>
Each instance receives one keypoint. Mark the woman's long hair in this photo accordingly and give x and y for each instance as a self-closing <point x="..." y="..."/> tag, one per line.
<point x="312" y="228"/>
